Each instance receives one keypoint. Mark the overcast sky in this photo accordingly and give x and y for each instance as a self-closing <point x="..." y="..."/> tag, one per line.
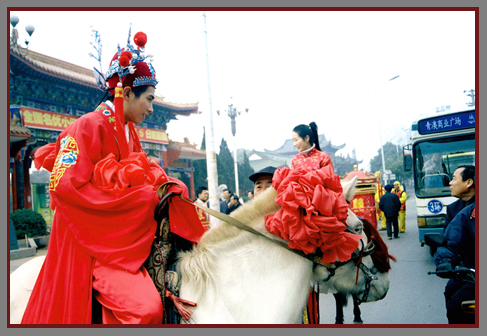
<point x="286" y="67"/>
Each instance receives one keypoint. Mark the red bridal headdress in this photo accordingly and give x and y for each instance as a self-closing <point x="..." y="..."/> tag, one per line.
<point x="130" y="66"/>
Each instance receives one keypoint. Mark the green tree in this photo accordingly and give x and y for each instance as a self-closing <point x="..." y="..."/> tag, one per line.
<point x="200" y="169"/>
<point x="244" y="171"/>
<point x="343" y="165"/>
<point x="393" y="158"/>
<point x="224" y="165"/>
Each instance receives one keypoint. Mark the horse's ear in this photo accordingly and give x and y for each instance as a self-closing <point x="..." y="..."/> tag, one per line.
<point x="349" y="188"/>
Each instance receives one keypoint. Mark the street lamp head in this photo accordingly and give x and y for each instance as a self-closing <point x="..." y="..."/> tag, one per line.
<point x="29" y="29"/>
<point x="14" y="19"/>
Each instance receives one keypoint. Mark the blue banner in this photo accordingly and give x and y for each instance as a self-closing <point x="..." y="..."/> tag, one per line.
<point x="449" y="122"/>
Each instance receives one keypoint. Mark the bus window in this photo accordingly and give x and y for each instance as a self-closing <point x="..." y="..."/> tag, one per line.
<point x="436" y="161"/>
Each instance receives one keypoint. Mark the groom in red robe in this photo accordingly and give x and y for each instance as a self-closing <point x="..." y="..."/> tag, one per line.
<point x="104" y="193"/>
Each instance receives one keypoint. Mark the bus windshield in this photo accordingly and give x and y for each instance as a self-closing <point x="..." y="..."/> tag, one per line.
<point x="436" y="161"/>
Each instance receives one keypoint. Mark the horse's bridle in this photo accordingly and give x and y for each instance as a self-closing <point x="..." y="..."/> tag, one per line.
<point x="357" y="257"/>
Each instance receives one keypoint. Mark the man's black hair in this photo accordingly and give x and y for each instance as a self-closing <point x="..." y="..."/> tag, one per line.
<point x="468" y="173"/>
<point x="138" y="90"/>
<point x="200" y="190"/>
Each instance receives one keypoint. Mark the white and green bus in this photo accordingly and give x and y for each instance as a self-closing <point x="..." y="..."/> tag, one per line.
<point x="449" y="139"/>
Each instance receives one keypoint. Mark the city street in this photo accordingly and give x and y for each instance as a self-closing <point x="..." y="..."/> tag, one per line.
<point x="414" y="297"/>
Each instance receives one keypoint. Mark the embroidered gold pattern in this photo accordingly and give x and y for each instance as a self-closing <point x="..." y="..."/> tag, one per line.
<point x="67" y="156"/>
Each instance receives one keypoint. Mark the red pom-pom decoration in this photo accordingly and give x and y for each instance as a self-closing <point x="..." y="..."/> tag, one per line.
<point x="124" y="60"/>
<point x="140" y="39"/>
<point x="127" y="54"/>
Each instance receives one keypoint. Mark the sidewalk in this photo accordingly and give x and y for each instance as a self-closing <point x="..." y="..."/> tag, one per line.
<point x="14" y="264"/>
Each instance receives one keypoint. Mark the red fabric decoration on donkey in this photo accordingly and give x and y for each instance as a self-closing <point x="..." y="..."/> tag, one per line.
<point x="313" y="212"/>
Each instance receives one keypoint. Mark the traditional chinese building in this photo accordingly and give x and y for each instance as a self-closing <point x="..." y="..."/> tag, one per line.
<point x="47" y="95"/>
<point x="282" y="156"/>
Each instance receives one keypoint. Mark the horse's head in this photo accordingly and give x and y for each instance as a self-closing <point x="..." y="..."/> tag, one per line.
<point x="366" y="273"/>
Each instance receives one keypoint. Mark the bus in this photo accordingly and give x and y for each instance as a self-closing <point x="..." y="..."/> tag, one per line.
<point x="439" y="144"/>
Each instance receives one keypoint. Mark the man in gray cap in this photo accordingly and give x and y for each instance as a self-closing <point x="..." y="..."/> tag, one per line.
<point x="262" y="179"/>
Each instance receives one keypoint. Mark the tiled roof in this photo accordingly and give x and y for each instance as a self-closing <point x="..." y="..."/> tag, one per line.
<point x="19" y="131"/>
<point x="187" y="150"/>
<point x="74" y="73"/>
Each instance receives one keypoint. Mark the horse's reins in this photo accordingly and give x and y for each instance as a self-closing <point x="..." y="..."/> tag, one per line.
<point x="357" y="256"/>
<point x="234" y="222"/>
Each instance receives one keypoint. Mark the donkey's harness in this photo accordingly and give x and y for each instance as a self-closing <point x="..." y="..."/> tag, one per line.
<point x="356" y="257"/>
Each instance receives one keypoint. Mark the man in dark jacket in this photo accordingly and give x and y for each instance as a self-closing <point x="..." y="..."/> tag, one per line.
<point x="226" y="200"/>
<point x="462" y="186"/>
<point x="460" y="250"/>
<point x="390" y="204"/>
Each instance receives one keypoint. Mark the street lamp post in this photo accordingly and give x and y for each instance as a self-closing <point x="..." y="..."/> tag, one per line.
<point x="232" y="113"/>
<point x="14" y="36"/>
<point x="385" y="175"/>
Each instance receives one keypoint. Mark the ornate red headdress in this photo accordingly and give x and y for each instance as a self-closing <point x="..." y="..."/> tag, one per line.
<point x="128" y="67"/>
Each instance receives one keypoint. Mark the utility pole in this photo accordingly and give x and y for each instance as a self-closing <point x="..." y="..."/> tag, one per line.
<point x="385" y="175"/>
<point x="471" y="94"/>
<point x="210" y="141"/>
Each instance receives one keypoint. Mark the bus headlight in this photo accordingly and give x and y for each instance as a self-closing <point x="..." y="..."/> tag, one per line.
<point x="437" y="221"/>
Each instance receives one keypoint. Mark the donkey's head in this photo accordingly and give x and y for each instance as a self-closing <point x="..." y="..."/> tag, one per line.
<point x="366" y="273"/>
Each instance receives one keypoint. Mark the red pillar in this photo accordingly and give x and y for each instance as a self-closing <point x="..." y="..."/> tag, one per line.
<point x="27" y="186"/>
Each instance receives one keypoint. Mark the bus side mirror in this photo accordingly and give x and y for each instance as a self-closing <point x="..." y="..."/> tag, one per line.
<point x="408" y="162"/>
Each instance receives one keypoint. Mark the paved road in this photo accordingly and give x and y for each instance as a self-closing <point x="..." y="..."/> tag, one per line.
<point x="414" y="297"/>
<point x="14" y="264"/>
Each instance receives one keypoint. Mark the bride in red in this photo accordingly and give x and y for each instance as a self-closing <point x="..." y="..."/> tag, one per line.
<point x="313" y="209"/>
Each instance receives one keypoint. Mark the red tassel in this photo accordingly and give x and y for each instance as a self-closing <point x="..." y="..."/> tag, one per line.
<point x="357" y="264"/>
<point x="120" y="121"/>
<point x="178" y="303"/>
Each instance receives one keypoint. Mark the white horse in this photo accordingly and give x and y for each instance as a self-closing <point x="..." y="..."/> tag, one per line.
<point x="239" y="277"/>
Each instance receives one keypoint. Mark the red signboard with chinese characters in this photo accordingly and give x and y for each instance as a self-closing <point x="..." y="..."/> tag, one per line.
<point x="58" y="122"/>
<point x="152" y="135"/>
<point x="45" y="120"/>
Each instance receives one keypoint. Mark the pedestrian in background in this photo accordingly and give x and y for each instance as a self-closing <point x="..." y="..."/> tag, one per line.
<point x="226" y="199"/>
<point x="390" y="204"/>
<point x="399" y="191"/>
<point x="202" y="200"/>
<point x="234" y="204"/>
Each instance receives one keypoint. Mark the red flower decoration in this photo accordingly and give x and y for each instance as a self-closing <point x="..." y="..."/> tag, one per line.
<point x="313" y="212"/>
<point x="140" y="39"/>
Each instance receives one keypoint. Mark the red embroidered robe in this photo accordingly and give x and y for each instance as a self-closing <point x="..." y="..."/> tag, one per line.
<point x="104" y="209"/>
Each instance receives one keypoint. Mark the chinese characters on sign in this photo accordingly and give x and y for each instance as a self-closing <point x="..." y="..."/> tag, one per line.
<point x="38" y="119"/>
<point x="449" y="122"/>
<point x="45" y="120"/>
<point x="152" y="135"/>
<point x="435" y="206"/>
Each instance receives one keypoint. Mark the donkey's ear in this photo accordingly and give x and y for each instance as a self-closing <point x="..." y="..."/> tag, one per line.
<point x="349" y="188"/>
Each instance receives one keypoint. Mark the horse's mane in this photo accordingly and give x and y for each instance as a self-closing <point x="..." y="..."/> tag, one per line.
<point x="199" y="264"/>
<point x="381" y="255"/>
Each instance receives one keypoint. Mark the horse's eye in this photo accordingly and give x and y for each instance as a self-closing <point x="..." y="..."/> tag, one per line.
<point x="359" y="229"/>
